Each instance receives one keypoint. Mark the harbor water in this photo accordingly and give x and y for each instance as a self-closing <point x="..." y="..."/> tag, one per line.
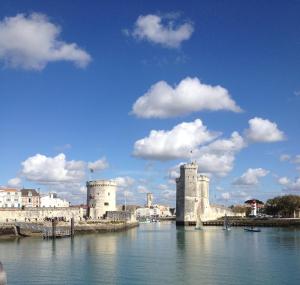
<point x="157" y="253"/>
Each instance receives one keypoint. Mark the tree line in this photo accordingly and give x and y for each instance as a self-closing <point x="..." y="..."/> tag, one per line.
<point x="284" y="206"/>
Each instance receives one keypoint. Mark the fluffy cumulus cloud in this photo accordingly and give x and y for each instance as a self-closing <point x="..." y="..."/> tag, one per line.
<point x="251" y="177"/>
<point x="290" y="185"/>
<point x="190" y="95"/>
<point x="125" y="182"/>
<point x="30" y="42"/>
<point x="142" y="189"/>
<point x="226" y="195"/>
<point x="14" y="182"/>
<point x="168" y="195"/>
<point x="234" y="197"/>
<point x="173" y="144"/>
<point x="43" y="169"/>
<point x="98" y="165"/>
<point x="162" y="30"/>
<point x="291" y="159"/>
<point x="218" y="157"/>
<point x="263" y="130"/>
<point x="283" y="181"/>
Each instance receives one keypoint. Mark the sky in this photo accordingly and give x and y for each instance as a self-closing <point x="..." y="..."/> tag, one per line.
<point x="132" y="89"/>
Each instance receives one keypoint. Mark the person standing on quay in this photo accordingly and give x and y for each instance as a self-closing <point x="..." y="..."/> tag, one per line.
<point x="3" y="280"/>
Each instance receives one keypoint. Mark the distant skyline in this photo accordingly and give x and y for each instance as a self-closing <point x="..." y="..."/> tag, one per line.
<point x="134" y="89"/>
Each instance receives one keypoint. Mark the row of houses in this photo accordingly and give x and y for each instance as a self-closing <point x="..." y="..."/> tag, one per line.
<point x="29" y="198"/>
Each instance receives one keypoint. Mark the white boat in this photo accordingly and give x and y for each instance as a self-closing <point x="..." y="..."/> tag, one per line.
<point x="226" y="226"/>
<point x="199" y="224"/>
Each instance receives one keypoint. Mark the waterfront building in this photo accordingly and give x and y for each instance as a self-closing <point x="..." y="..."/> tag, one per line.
<point x="164" y="211"/>
<point x="10" y="198"/>
<point x="101" y="197"/>
<point x="149" y="200"/>
<point x="144" y="213"/>
<point x="30" y="198"/>
<point x="52" y="201"/>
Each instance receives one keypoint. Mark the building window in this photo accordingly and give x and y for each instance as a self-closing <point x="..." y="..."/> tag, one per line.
<point x="106" y="204"/>
<point x="108" y="193"/>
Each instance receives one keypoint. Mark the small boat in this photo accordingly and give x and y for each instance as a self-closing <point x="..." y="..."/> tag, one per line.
<point x="252" y="230"/>
<point x="226" y="226"/>
<point x="199" y="224"/>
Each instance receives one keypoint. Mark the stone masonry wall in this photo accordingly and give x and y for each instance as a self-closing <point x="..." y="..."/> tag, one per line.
<point x="39" y="214"/>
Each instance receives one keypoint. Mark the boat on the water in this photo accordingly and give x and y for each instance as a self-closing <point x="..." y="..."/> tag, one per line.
<point x="252" y="230"/>
<point x="226" y="226"/>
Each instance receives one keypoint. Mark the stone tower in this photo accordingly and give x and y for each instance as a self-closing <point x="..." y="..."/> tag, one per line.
<point x="101" y="197"/>
<point x="192" y="195"/>
<point x="149" y="200"/>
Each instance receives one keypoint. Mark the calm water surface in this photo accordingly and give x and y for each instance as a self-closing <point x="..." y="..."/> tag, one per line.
<point x="157" y="254"/>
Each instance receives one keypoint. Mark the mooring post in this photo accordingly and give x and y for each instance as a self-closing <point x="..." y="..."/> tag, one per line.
<point x="53" y="229"/>
<point x="72" y="227"/>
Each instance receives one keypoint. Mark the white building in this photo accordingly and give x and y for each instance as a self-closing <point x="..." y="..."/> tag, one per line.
<point x="144" y="212"/>
<point x="10" y="198"/>
<point x="52" y="201"/>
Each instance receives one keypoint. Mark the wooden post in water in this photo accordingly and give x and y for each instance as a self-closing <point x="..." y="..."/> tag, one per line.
<point x="72" y="227"/>
<point x="53" y="229"/>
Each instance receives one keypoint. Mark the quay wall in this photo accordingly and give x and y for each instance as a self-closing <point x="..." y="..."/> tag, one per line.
<point x="247" y="222"/>
<point x="40" y="214"/>
<point x="215" y="212"/>
<point x="104" y="227"/>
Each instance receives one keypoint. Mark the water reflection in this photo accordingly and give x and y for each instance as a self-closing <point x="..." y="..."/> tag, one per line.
<point x="157" y="254"/>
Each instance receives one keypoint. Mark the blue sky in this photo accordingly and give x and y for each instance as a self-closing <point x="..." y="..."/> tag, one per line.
<point x="77" y="100"/>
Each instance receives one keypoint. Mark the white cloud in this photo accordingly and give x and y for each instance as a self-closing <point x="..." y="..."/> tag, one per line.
<point x="14" y="182"/>
<point x="263" y="130"/>
<point x="283" y="181"/>
<point x="291" y="185"/>
<point x="226" y="195"/>
<point x="251" y="177"/>
<point x="128" y="194"/>
<point x="75" y="192"/>
<point x="99" y="164"/>
<point x="218" y="157"/>
<point x="215" y="158"/>
<point x="125" y="181"/>
<point x="169" y="195"/>
<point x="30" y="42"/>
<point x="42" y="169"/>
<point x="173" y="173"/>
<point x="142" y="189"/>
<point x="176" y="143"/>
<point x="190" y="95"/>
<point x="160" y="30"/>
<point x="234" y="197"/>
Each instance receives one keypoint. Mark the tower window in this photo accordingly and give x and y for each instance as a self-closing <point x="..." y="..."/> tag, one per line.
<point x="106" y="204"/>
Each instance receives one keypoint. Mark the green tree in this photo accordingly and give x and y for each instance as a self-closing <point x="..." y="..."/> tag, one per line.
<point x="282" y="205"/>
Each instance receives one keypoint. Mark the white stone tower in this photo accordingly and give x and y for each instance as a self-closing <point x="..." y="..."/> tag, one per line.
<point x="149" y="200"/>
<point x="192" y="195"/>
<point x="101" y="197"/>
